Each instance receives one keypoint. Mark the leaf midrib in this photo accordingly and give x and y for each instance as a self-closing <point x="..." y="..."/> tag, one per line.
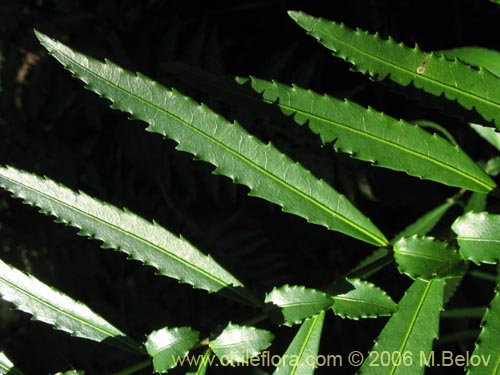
<point x="421" y="76"/>
<point x="140" y="239"/>
<point x="413" y="321"/>
<point x="427" y="256"/>
<point x="56" y="308"/>
<point x="233" y="152"/>
<point x="306" y="342"/>
<point x="360" y="301"/>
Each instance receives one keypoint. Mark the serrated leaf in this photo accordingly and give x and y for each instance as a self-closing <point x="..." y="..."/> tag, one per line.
<point x="427" y="258"/>
<point x="202" y="364"/>
<point x="304" y="346"/>
<point x="7" y="367"/>
<point x="53" y="307"/>
<point x="238" y="344"/>
<point x="371" y="136"/>
<point x="168" y="346"/>
<point x="364" y="300"/>
<point x="489" y="134"/>
<point x="122" y="230"/>
<point x="477" y="56"/>
<point x="478" y="236"/>
<point x="421" y="226"/>
<point x="411" y="329"/>
<point x="291" y="304"/>
<point x="236" y="154"/>
<point x="432" y="72"/>
<point x="486" y="351"/>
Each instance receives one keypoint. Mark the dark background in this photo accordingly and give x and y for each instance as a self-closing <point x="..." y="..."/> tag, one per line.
<point x="50" y="125"/>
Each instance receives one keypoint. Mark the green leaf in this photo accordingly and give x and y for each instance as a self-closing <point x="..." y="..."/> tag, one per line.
<point x="426" y="222"/>
<point x="236" y="154"/>
<point x="476" y="202"/>
<point x="432" y="72"/>
<point x="124" y="231"/>
<point x="7" y="367"/>
<point x="168" y="346"/>
<point x="53" y="307"/>
<point x="202" y="364"/>
<point x="489" y="134"/>
<point x="304" y="346"/>
<point x="421" y="226"/>
<point x="426" y="258"/>
<point x="492" y="166"/>
<point x="364" y="300"/>
<point x="238" y="344"/>
<point x="290" y="305"/>
<point x="486" y="351"/>
<point x="478" y="237"/>
<point x="409" y="332"/>
<point x="371" y="136"/>
<point x="71" y="372"/>
<point x="477" y="56"/>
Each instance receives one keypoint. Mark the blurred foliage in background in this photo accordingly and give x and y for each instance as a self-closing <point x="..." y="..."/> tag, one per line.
<point x="97" y="152"/>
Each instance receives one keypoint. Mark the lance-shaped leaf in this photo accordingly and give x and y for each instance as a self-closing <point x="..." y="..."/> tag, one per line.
<point x="363" y="300"/>
<point x="238" y="344"/>
<point x="432" y="72"/>
<point x="124" y="231"/>
<point x="236" y="154"/>
<point x="421" y="226"/>
<point x="486" y="350"/>
<point x="371" y="136"/>
<point x="410" y="331"/>
<point x="168" y="346"/>
<point x="53" y="307"/>
<point x="299" y="357"/>
<point x="489" y="134"/>
<point x="478" y="236"/>
<point x="202" y="364"/>
<point x="291" y="304"/>
<point x="477" y="56"/>
<point x="426" y="258"/>
<point x="425" y="223"/>
<point x="7" y="367"/>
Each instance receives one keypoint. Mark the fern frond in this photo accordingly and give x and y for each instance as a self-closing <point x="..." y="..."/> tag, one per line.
<point x="411" y="329"/>
<point x="487" y="343"/>
<point x="371" y="136"/>
<point x="124" y="231"/>
<point x="236" y="154"/>
<point x="50" y="306"/>
<point x="432" y="72"/>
